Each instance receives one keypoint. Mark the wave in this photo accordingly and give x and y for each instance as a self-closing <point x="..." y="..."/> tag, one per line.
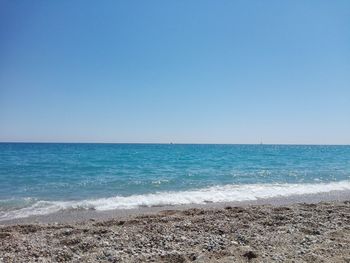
<point x="227" y="193"/>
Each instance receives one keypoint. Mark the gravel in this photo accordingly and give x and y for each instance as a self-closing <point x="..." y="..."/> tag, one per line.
<point x="257" y="233"/>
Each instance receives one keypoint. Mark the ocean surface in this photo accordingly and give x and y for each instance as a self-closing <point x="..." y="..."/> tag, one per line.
<point x="37" y="179"/>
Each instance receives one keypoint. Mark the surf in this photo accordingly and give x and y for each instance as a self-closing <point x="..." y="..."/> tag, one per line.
<point x="214" y="194"/>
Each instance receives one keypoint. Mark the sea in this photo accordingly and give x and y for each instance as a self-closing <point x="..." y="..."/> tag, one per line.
<point x="43" y="178"/>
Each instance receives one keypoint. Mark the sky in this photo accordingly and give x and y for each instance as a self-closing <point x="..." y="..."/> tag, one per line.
<point x="175" y="71"/>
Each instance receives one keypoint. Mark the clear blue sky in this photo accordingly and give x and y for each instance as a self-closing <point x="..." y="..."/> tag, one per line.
<point x="175" y="71"/>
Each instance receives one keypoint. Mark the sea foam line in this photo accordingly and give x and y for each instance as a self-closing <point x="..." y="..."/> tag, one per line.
<point x="227" y="193"/>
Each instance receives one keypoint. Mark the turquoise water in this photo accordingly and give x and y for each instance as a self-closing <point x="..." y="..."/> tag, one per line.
<point x="45" y="178"/>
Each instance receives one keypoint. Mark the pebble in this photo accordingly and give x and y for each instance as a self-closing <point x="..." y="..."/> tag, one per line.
<point x="226" y="235"/>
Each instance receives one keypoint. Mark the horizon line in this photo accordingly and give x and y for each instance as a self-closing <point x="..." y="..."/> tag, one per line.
<point x="175" y="143"/>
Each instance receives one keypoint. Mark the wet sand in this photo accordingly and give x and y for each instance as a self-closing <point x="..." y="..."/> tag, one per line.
<point x="296" y="229"/>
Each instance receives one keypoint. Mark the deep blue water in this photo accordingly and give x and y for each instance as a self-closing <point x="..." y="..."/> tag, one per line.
<point x="42" y="174"/>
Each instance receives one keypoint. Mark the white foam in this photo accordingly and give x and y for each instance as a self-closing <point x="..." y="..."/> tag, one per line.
<point x="227" y="193"/>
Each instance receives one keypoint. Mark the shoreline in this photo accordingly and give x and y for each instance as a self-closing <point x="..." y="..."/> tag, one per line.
<point x="81" y="216"/>
<point x="284" y="231"/>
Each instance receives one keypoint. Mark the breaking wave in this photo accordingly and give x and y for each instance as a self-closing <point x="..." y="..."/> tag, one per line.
<point x="227" y="193"/>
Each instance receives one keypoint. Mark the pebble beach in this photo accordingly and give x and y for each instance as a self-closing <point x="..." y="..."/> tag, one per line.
<point x="313" y="232"/>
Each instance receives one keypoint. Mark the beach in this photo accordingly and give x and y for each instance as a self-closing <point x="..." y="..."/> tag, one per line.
<point x="174" y="131"/>
<point x="174" y="203"/>
<point x="275" y="230"/>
